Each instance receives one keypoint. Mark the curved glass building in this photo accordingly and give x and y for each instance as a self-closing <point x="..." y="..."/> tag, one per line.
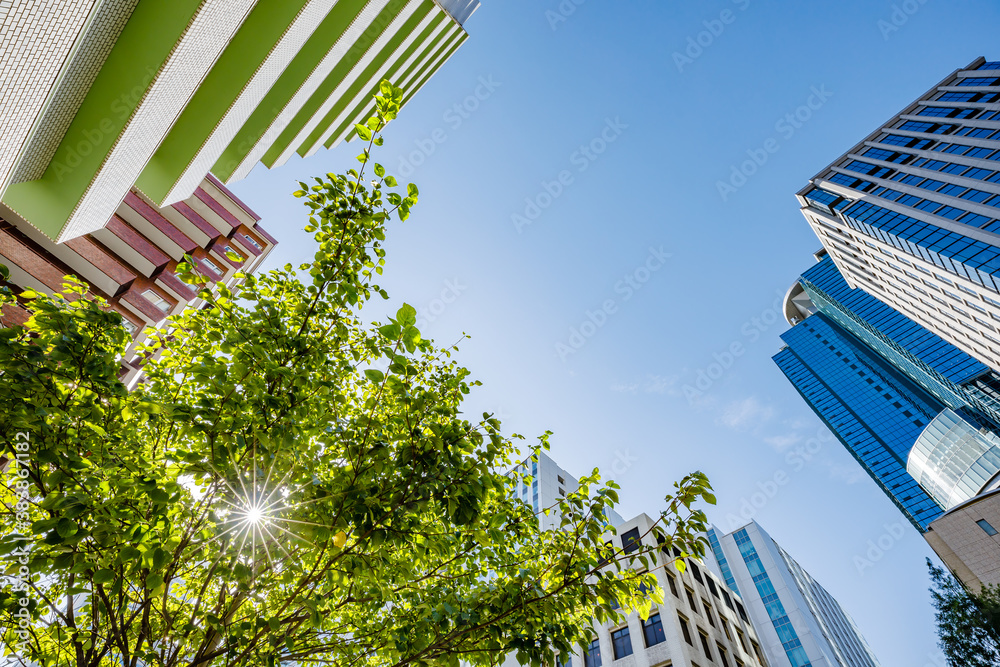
<point x="953" y="460"/>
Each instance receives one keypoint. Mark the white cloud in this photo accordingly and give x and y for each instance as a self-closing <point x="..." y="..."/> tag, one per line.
<point x="661" y="384"/>
<point x="782" y="442"/>
<point x="848" y="474"/>
<point x="622" y="388"/>
<point x="746" y="413"/>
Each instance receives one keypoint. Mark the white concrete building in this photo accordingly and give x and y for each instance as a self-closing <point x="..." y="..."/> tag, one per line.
<point x="700" y="622"/>
<point x="911" y="214"/>
<point x="548" y="482"/>
<point x="799" y="623"/>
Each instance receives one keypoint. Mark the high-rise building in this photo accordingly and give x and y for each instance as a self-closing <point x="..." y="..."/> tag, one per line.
<point x="700" y="622"/>
<point x="543" y="483"/>
<point x="877" y="379"/>
<point x="911" y="214"/>
<point x="799" y="623"/>
<point x="103" y="95"/>
<point x="918" y="414"/>
<point x="131" y="262"/>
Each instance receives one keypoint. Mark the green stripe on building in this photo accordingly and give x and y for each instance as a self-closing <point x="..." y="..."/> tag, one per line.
<point x="250" y="47"/>
<point x="135" y="60"/>
<point x="366" y="79"/>
<point x="366" y="108"/>
<point x="431" y="69"/>
<point x="444" y="44"/>
<point x="291" y="80"/>
<point x="334" y="79"/>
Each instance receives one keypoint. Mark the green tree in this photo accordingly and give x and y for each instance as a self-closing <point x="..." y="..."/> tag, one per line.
<point x="288" y="484"/>
<point x="968" y="623"/>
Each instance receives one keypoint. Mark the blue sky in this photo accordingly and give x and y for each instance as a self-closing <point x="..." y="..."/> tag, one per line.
<point x="571" y="220"/>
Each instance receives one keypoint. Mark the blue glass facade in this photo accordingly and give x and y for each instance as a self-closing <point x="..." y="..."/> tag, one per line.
<point x="877" y="378"/>
<point x="775" y="610"/>
<point x="875" y="412"/>
<point x="956" y="366"/>
<point x="720" y="556"/>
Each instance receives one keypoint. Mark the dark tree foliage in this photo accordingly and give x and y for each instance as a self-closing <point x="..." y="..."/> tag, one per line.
<point x="968" y="623"/>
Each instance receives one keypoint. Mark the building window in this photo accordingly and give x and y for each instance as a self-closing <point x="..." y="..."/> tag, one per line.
<point x="672" y="582"/>
<point x="161" y="303"/>
<point x="621" y="643"/>
<point x="729" y="600"/>
<point x="708" y="612"/>
<point x="630" y="541"/>
<point x="252" y="242"/>
<point x="652" y="630"/>
<point x="130" y="326"/>
<point x="743" y="641"/>
<point x="758" y="652"/>
<point x="987" y="528"/>
<point x="723" y="657"/>
<point x="606" y="554"/>
<point x="214" y="267"/>
<point x="561" y="480"/>
<point x="704" y="644"/>
<point x="711" y="586"/>
<point x="685" y="629"/>
<point x="690" y="596"/>
<point x="742" y="612"/>
<point x="592" y="656"/>
<point x="562" y="492"/>
<point x="725" y="627"/>
<point x="697" y="573"/>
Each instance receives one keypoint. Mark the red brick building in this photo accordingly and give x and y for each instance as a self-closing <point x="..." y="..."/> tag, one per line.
<point x="131" y="262"/>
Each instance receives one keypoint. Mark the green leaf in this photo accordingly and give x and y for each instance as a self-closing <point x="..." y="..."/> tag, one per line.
<point x="66" y="527"/>
<point x="407" y="315"/>
<point x="391" y="182"/>
<point x="363" y="132"/>
<point x="411" y="190"/>
<point x="103" y="577"/>
<point x="375" y="376"/>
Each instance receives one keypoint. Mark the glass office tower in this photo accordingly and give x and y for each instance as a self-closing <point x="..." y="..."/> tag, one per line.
<point x="878" y="379"/>
<point x="911" y="214"/>
<point x="799" y="623"/>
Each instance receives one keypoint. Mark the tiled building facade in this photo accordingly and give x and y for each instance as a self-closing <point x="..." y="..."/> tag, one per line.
<point x="131" y="261"/>
<point x="103" y="96"/>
